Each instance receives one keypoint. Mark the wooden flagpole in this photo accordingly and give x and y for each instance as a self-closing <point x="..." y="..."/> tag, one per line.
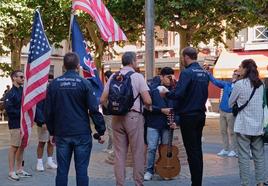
<point x="70" y="30"/>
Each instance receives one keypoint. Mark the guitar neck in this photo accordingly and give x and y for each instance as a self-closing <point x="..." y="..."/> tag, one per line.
<point x="170" y="132"/>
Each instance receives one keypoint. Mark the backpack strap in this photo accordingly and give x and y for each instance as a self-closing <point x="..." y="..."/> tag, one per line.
<point x="128" y="74"/>
<point x="264" y="96"/>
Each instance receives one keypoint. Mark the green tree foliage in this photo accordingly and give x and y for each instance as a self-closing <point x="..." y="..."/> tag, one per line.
<point x="16" y="18"/>
<point x="129" y="14"/>
<point x="203" y="20"/>
<point x="194" y="20"/>
<point x="16" y="23"/>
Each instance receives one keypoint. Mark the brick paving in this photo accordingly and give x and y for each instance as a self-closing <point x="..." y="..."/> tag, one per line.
<point x="217" y="170"/>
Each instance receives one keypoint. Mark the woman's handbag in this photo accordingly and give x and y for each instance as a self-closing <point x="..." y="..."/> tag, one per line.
<point x="236" y="108"/>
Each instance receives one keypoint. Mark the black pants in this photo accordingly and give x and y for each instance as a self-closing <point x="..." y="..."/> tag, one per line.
<point x="191" y="130"/>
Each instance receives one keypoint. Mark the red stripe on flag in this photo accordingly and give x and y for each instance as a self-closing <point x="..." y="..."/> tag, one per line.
<point x="104" y="21"/>
<point x="39" y="68"/>
<point x="33" y="101"/>
<point x="36" y="84"/>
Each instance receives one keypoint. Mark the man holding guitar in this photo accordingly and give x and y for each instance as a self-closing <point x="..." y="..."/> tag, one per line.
<point x="156" y="119"/>
<point x="191" y="94"/>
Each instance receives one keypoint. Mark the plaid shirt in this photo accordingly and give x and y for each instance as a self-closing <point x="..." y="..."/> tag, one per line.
<point x="249" y="121"/>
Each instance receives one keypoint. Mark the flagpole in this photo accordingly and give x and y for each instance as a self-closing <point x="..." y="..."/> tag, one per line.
<point x="149" y="44"/>
<point x="70" y="29"/>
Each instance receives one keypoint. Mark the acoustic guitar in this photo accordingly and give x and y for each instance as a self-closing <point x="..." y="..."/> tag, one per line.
<point x="168" y="165"/>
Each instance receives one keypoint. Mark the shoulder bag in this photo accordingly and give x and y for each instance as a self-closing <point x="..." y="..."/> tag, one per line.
<point x="236" y="109"/>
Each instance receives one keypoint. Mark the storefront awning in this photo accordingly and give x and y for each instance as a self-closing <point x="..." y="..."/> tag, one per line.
<point x="229" y="61"/>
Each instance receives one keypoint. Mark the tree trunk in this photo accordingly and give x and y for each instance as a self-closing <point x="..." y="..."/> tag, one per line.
<point x="99" y="44"/>
<point x="16" y="55"/>
<point x="185" y="40"/>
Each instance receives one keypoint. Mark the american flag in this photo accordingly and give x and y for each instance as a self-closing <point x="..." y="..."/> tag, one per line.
<point x="109" y="29"/>
<point x="36" y="77"/>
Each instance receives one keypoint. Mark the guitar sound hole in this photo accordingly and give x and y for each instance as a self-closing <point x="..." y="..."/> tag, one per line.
<point x="169" y="154"/>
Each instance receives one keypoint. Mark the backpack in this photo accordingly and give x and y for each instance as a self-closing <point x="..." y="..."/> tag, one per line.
<point x="120" y="98"/>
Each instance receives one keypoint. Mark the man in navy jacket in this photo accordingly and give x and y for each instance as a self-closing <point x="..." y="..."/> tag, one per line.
<point x="70" y="101"/>
<point x="12" y="105"/>
<point x="191" y="94"/>
<point x="156" y="119"/>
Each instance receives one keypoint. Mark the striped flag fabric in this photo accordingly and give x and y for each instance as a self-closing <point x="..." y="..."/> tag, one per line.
<point x="109" y="29"/>
<point x="36" y="77"/>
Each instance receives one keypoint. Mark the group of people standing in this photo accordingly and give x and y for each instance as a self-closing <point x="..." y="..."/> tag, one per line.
<point x="64" y="117"/>
<point x="187" y="99"/>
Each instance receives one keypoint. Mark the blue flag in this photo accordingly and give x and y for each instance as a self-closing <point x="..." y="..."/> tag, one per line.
<point x="90" y="71"/>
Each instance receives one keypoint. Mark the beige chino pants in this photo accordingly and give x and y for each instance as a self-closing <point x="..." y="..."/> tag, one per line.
<point x="128" y="131"/>
<point x="227" y="131"/>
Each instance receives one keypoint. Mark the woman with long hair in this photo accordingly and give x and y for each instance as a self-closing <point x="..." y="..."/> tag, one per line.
<point x="248" y="124"/>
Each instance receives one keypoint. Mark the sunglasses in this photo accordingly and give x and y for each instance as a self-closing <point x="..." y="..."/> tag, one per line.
<point x="21" y="77"/>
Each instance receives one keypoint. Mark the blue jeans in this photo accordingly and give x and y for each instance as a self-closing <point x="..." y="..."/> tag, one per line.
<point x="153" y="137"/>
<point x="65" y="146"/>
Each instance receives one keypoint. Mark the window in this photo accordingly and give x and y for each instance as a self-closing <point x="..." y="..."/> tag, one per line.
<point x="260" y="33"/>
<point x="165" y="39"/>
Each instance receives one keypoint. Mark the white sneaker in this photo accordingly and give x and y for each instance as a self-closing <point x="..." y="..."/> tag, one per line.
<point x="40" y="167"/>
<point x="147" y="176"/>
<point x="109" y="151"/>
<point x="232" y="154"/>
<point x="51" y="165"/>
<point x="13" y="176"/>
<point x="23" y="174"/>
<point x="223" y="153"/>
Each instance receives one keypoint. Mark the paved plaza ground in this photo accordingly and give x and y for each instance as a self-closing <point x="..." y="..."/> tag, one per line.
<point x="220" y="171"/>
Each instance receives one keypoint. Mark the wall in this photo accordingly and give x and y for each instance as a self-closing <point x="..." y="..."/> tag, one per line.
<point x="4" y="81"/>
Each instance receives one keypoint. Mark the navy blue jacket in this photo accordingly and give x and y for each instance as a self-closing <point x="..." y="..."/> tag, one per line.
<point x="12" y="105"/>
<point x="69" y="98"/>
<point x="191" y="91"/>
<point x="155" y="118"/>
<point x="39" y="113"/>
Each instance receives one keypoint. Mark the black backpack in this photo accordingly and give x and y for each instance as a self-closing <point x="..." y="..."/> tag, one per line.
<point x="120" y="98"/>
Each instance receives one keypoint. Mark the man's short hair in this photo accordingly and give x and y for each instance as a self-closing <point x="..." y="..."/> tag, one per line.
<point x="14" y="73"/>
<point x="108" y="73"/>
<point x="191" y="52"/>
<point x="128" y="58"/>
<point x="70" y="61"/>
<point x="166" y="71"/>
